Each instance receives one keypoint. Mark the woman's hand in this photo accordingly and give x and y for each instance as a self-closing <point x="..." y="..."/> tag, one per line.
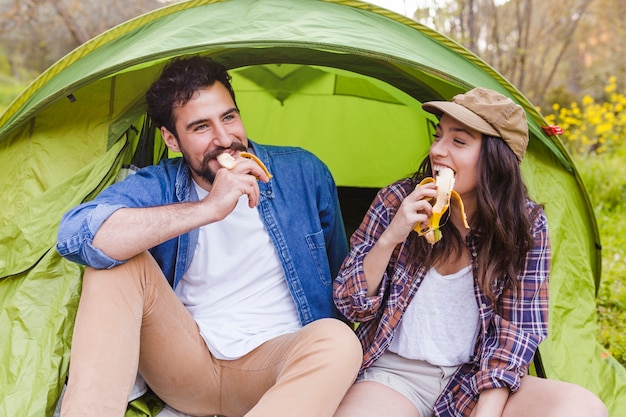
<point x="491" y="403"/>
<point x="415" y="208"/>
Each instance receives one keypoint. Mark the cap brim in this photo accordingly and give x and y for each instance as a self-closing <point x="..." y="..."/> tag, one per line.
<point x="461" y="114"/>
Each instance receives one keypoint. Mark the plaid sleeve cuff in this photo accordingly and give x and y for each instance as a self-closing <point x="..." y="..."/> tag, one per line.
<point x="495" y="378"/>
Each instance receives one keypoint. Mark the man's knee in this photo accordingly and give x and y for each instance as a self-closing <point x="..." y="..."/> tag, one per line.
<point x="131" y="277"/>
<point x="138" y="266"/>
<point x="340" y="341"/>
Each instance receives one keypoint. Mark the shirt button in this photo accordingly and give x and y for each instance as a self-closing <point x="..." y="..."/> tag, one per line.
<point x="474" y="254"/>
<point x="483" y="305"/>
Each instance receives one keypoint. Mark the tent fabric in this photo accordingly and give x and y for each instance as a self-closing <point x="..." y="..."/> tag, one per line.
<point x="344" y="79"/>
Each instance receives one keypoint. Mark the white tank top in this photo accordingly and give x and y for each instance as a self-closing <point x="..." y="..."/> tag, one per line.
<point x="235" y="287"/>
<point x="441" y="323"/>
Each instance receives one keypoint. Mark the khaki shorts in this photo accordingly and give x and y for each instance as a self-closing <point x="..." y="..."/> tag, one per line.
<point x="418" y="381"/>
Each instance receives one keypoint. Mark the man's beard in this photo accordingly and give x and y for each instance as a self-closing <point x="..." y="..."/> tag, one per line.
<point x="205" y="172"/>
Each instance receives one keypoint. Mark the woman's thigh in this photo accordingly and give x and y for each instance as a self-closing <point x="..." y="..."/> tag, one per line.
<point x="550" y="398"/>
<point x="369" y="398"/>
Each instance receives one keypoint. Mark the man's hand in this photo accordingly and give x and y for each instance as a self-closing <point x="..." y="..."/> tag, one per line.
<point x="131" y="231"/>
<point x="232" y="183"/>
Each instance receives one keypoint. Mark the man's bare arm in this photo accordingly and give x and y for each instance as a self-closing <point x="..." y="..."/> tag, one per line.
<point x="131" y="231"/>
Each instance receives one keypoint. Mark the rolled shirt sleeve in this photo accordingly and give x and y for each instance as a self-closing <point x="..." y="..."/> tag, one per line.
<point x="77" y="231"/>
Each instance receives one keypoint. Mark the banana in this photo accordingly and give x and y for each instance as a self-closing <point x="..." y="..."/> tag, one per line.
<point x="445" y="185"/>
<point x="227" y="161"/>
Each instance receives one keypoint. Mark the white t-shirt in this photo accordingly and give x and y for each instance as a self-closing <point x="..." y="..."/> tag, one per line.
<point x="235" y="287"/>
<point x="441" y="323"/>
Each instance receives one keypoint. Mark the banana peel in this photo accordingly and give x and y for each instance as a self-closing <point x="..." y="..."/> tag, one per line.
<point x="228" y="161"/>
<point x="445" y="184"/>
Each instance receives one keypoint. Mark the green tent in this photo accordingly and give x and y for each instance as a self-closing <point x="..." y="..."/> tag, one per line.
<point x="343" y="79"/>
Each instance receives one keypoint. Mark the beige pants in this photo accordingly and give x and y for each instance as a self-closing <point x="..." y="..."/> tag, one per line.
<point x="129" y="318"/>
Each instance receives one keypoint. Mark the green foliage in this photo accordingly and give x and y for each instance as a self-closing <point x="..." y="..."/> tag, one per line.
<point x="9" y="90"/>
<point x="612" y="293"/>
<point x="559" y="96"/>
<point x="12" y="81"/>
<point x="605" y="177"/>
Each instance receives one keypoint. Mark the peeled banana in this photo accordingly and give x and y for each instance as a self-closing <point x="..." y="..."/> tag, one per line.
<point x="228" y="161"/>
<point x="445" y="190"/>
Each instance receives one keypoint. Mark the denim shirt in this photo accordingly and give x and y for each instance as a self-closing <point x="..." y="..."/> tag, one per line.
<point x="299" y="207"/>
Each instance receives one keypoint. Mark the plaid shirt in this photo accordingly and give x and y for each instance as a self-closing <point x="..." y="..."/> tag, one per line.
<point x="507" y="341"/>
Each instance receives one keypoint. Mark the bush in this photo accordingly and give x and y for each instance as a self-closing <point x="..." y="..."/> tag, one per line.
<point x="592" y="127"/>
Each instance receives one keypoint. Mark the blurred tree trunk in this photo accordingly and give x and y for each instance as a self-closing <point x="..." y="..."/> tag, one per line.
<point x="551" y="50"/>
<point x="528" y="41"/>
<point x="523" y="14"/>
<point x="77" y="32"/>
<point x="601" y="49"/>
<point x="36" y="33"/>
<point x="569" y="31"/>
<point x="471" y="24"/>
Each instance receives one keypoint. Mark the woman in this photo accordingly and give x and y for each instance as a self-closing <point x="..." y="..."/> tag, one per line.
<point x="450" y="328"/>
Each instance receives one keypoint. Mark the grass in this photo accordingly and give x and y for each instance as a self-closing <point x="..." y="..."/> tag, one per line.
<point x="605" y="178"/>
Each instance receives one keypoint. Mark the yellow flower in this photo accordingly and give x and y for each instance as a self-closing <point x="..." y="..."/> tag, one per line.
<point x="593" y="126"/>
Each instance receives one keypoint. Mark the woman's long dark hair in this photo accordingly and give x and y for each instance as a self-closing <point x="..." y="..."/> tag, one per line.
<point x="502" y="221"/>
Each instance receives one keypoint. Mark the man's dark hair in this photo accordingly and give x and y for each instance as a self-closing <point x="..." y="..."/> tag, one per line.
<point x="178" y="82"/>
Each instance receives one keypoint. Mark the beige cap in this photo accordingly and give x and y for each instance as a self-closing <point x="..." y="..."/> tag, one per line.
<point x="488" y="112"/>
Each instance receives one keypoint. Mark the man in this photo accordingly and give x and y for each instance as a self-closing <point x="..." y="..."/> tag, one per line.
<point x="213" y="283"/>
